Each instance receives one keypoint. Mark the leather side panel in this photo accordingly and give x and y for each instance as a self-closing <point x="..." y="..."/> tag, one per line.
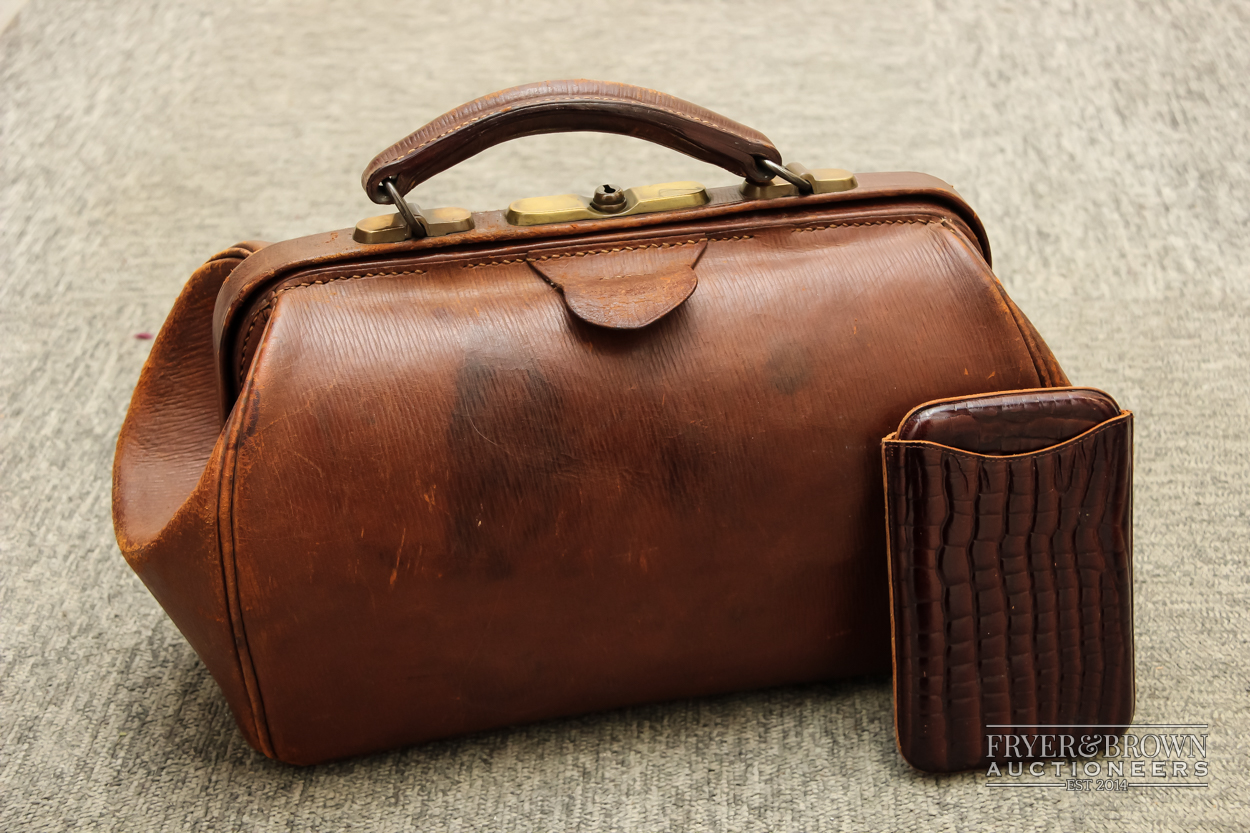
<point x="457" y="506"/>
<point x="166" y="476"/>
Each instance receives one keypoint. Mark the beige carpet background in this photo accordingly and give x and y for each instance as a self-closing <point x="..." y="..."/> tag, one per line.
<point x="1105" y="144"/>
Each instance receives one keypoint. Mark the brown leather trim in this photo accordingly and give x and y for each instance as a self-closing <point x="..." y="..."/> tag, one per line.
<point x="226" y="537"/>
<point x="624" y="287"/>
<point x="893" y="440"/>
<point x="973" y="398"/>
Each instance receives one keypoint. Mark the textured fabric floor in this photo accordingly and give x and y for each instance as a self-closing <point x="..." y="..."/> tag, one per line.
<point x="1104" y="144"/>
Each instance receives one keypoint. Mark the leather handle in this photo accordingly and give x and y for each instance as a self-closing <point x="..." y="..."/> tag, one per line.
<point x="569" y="107"/>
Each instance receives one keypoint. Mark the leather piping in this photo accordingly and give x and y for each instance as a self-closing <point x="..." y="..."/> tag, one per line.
<point x="889" y="572"/>
<point x="225" y="556"/>
<point x="1044" y="452"/>
<point x="229" y="551"/>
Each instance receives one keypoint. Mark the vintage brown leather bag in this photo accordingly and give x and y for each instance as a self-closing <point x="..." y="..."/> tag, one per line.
<point x="583" y="454"/>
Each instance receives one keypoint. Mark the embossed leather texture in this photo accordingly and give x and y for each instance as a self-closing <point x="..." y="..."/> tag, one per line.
<point x="1011" y="573"/>
<point x="436" y="495"/>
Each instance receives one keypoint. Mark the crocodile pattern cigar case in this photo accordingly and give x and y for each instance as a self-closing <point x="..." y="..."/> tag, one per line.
<point x="1010" y="524"/>
<point x="448" y="471"/>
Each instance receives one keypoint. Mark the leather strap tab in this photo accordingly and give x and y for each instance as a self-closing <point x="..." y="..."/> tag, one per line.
<point x="569" y="107"/>
<point x="623" y="288"/>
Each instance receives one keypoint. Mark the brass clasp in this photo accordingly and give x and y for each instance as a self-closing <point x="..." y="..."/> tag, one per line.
<point x="567" y="208"/>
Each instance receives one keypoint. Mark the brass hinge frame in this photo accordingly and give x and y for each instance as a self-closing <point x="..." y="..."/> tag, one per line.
<point x="822" y="180"/>
<point x="391" y="228"/>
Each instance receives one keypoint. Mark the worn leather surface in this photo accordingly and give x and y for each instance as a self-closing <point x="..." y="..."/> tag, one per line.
<point x="457" y="506"/>
<point x="1010" y="422"/>
<point x="565" y="107"/>
<point x="446" y="503"/>
<point x="1011" y="582"/>
<point x="439" y="500"/>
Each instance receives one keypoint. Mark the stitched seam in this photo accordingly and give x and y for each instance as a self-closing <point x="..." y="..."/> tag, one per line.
<point x="627" y="275"/>
<point x="618" y="249"/>
<point x="484" y="263"/>
<point x="900" y="221"/>
<point x="273" y="299"/>
<point x="556" y="99"/>
<point x="590" y="252"/>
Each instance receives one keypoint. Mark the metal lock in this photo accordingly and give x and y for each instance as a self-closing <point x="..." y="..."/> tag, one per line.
<point x="608" y="201"/>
